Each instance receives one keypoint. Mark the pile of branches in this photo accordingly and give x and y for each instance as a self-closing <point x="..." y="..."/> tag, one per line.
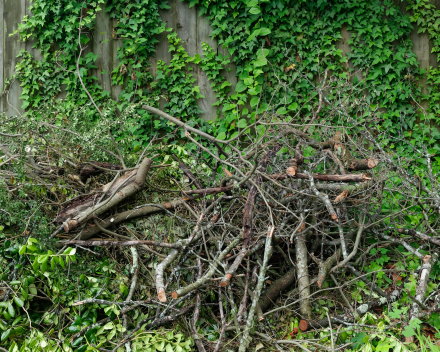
<point x="264" y="231"/>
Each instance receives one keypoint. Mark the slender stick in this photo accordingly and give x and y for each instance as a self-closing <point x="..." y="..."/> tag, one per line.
<point x="104" y="243"/>
<point x="422" y="286"/>
<point x="244" y="342"/>
<point x="206" y="278"/>
<point x="195" y="317"/>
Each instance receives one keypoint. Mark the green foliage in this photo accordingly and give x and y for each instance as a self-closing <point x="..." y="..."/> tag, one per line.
<point x="57" y="21"/>
<point x="178" y="83"/>
<point x="281" y="50"/>
<point x="269" y="42"/>
<point x="427" y="18"/>
<point x="137" y="26"/>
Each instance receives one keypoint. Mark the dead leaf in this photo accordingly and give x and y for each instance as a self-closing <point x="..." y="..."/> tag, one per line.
<point x="342" y="196"/>
<point x="291" y="171"/>
<point x="259" y="346"/>
<point x="289" y="68"/>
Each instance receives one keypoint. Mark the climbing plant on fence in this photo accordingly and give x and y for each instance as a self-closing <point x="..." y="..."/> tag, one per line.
<point x="268" y="41"/>
<point x="283" y="51"/>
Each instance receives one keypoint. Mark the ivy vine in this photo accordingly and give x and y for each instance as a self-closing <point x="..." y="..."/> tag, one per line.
<point x="281" y="49"/>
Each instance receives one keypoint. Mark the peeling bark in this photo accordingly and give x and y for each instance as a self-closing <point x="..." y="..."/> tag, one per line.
<point x="422" y="286"/>
<point x="126" y="190"/>
<point x="269" y="297"/>
<point x="303" y="276"/>
<point x="94" y="168"/>
<point x="324" y="268"/>
<point x="93" y="230"/>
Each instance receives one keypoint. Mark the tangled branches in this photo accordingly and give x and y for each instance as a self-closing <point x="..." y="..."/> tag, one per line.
<point x="272" y="221"/>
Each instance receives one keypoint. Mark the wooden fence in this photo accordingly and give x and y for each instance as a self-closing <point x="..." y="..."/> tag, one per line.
<point x="190" y="27"/>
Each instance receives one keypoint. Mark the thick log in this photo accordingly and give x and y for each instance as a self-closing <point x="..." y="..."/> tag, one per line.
<point x="83" y="203"/>
<point x="234" y="266"/>
<point x="96" y="167"/>
<point x="207" y="191"/>
<point x="422" y="287"/>
<point x="274" y="291"/>
<point x="127" y="189"/>
<point x="92" y="230"/>
<point x="248" y="214"/>
<point x="362" y="164"/>
<point x="280" y="177"/>
<point x="324" y="268"/>
<point x="418" y="234"/>
<point x="76" y="206"/>
<point x="342" y="153"/>
<point x="295" y="162"/>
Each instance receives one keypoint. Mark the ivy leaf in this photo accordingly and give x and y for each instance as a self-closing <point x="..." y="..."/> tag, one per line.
<point x="281" y="111"/>
<point x="387" y="67"/>
<point x="254" y="102"/>
<point x="264" y="31"/>
<point x="221" y="136"/>
<point x="82" y="70"/>
<point x="261" y="61"/>
<point x="408" y="331"/>
<point x="293" y="106"/>
<point x="240" y="87"/>
<point x="242" y="123"/>
<point x="255" y="10"/>
<point x="248" y="81"/>
<point x="5" y="334"/>
<point x="254" y="34"/>
<point x="395" y="314"/>
<point x="19" y="302"/>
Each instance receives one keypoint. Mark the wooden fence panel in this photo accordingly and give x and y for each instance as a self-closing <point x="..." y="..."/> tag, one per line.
<point x="190" y="27"/>
<point x="13" y="12"/>
<point x="2" y="64"/>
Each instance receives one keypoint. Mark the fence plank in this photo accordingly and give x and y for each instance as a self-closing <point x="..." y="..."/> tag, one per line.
<point x="116" y="43"/>
<point x="169" y="17"/>
<point x="192" y="29"/>
<point x="13" y="12"/>
<point x="103" y="48"/>
<point x="2" y="82"/>
<point x="229" y="75"/>
<point x="31" y="42"/>
<point x="204" y="29"/>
